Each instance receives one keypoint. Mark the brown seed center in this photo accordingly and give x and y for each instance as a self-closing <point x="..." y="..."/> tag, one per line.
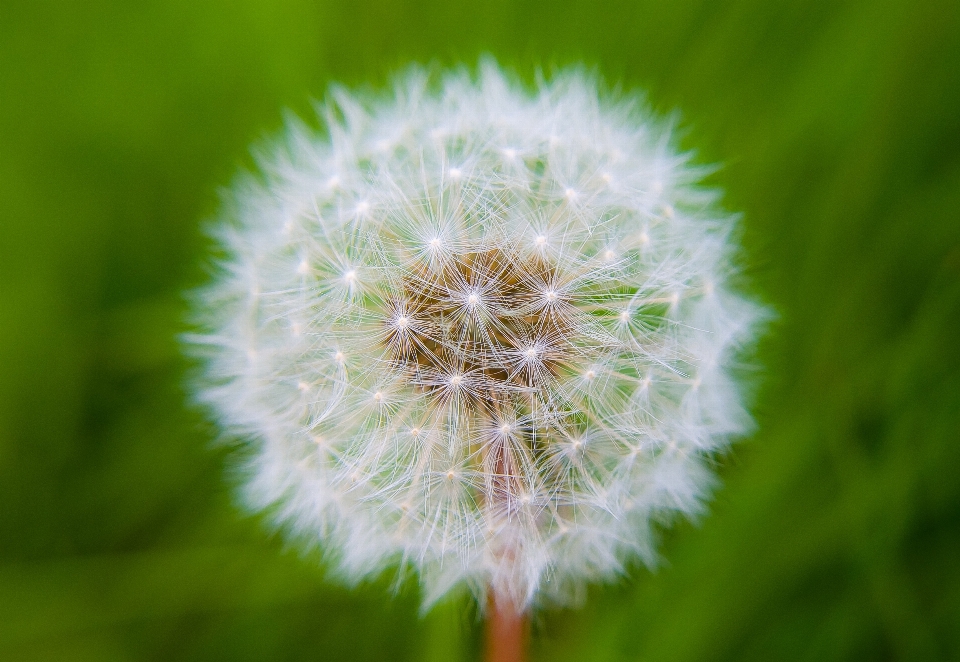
<point x="488" y="322"/>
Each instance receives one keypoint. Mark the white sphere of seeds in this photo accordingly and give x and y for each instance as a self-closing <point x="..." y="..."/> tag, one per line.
<point x="476" y="331"/>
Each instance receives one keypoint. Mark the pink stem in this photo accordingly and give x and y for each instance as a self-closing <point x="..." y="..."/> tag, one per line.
<point x="507" y="632"/>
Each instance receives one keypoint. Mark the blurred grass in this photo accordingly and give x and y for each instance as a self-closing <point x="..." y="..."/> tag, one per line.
<point x="837" y="533"/>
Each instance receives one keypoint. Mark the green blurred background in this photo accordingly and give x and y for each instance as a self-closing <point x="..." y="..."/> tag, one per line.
<point x="836" y="534"/>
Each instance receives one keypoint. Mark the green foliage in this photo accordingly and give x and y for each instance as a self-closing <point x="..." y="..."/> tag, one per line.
<point x="837" y="123"/>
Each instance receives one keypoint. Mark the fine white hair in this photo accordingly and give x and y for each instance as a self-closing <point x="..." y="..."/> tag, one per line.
<point x="477" y="331"/>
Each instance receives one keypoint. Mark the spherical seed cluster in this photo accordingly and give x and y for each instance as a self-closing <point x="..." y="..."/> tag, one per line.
<point x="476" y="331"/>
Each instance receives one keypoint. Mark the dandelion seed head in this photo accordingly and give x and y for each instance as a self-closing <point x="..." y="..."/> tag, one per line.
<point x="514" y="343"/>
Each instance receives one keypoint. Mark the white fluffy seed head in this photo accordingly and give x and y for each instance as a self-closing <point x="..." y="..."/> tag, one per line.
<point x="477" y="331"/>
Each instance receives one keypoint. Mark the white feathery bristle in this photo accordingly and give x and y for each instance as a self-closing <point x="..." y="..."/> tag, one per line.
<point x="477" y="331"/>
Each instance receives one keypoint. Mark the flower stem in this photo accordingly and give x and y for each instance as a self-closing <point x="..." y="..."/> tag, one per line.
<point x="507" y="631"/>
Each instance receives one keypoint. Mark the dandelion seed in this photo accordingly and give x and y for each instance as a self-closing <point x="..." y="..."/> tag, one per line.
<point x="486" y="428"/>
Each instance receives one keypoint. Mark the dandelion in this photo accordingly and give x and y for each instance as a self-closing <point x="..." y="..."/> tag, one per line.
<point x="478" y="332"/>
